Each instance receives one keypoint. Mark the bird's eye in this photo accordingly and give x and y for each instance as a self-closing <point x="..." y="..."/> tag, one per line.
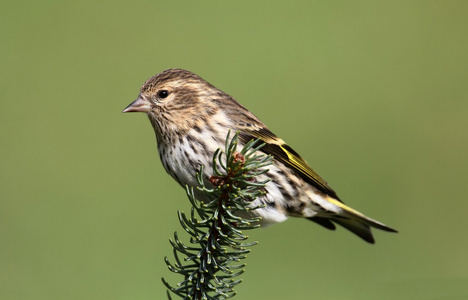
<point x="163" y="93"/>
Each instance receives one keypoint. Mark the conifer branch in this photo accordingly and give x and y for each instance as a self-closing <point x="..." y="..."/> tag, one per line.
<point x="212" y="261"/>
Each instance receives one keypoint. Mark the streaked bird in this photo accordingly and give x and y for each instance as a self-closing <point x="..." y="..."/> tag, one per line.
<point x="191" y="119"/>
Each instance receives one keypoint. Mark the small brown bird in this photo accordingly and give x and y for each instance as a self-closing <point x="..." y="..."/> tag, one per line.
<point x="191" y="119"/>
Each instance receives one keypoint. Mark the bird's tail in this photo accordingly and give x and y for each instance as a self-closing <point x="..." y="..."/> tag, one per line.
<point x="352" y="220"/>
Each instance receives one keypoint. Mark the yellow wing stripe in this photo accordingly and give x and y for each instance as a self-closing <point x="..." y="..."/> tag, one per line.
<point x="345" y="207"/>
<point x="285" y="154"/>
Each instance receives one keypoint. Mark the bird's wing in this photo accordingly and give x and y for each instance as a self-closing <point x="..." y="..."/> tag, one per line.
<point x="352" y="219"/>
<point x="285" y="154"/>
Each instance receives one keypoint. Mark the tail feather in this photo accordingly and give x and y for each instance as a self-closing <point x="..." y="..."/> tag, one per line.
<point x="362" y="230"/>
<point x="356" y="223"/>
<point x="325" y="222"/>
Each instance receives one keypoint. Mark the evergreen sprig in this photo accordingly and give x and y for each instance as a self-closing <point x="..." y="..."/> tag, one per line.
<point x="211" y="263"/>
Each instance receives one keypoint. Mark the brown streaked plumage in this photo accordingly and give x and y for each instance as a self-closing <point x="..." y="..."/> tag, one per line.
<point x="191" y="119"/>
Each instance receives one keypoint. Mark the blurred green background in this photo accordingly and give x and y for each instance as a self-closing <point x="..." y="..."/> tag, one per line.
<point x="373" y="94"/>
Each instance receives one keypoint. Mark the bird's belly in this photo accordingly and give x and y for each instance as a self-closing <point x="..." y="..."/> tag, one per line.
<point x="184" y="158"/>
<point x="181" y="166"/>
<point x="286" y="194"/>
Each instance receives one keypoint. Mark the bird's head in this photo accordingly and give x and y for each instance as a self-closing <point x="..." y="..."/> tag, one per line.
<point x="174" y="100"/>
<point x="171" y="90"/>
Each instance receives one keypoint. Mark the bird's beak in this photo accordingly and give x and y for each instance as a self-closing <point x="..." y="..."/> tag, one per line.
<point x="139" y="105"/>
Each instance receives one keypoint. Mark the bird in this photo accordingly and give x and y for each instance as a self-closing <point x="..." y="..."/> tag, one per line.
<point x="191" y="119"/>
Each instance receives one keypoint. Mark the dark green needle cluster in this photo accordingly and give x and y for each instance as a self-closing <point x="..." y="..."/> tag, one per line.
<point x="211" y="263"/>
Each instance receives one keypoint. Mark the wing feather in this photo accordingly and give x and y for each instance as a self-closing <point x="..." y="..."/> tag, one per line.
<point x="352" y="219"/>
<point x="285" y="154"/>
